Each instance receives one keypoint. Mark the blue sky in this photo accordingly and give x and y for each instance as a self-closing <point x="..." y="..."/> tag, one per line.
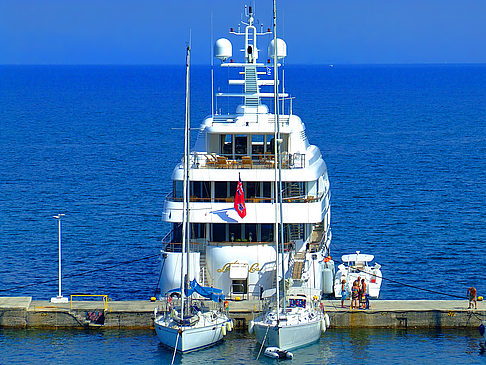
<point x="316" y="32"/>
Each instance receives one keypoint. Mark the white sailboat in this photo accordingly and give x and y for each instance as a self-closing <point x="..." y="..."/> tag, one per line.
<point x="186" y="327"/>
<point x="297" y="319"/>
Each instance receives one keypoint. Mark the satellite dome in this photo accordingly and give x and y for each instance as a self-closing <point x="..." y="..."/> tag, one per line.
<point x="281" y="48"/>
<point x="223" y="49"/>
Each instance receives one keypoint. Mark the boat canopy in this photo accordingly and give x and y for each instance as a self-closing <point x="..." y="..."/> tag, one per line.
<point x="216" y="295"/>
<point x="357" y="258"/>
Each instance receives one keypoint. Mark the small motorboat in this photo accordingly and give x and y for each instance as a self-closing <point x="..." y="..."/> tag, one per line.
<point x="277" y="353"/>
<point x="358" y="265"/>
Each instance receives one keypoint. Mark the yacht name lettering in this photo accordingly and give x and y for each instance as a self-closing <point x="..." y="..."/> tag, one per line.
<point x="253" y="268"/>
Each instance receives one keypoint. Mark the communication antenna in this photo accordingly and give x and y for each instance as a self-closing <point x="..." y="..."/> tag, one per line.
<point x="212" y="69"/>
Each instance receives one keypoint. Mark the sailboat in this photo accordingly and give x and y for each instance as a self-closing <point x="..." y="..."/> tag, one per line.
<point x="297" y="318"/>
<point x="186" y="326"/>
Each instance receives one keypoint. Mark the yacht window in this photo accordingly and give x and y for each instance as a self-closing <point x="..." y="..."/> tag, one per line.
<point x="235" y="232"/>
<point x="177" y="232"/>
<point x="251" y="232"/>
<point x="200" y="190"/>
<point x="178" y="187"/>
<point x="293" y="190"/>
<point x="269" y="146"/>
<point x="241" y="146"/>
<point x="232" y="188"/>
<point x="252" y="190"/>
<point x="267" y="191"/>
<point x="227" y="145"/>
<point x="257" y="144"/>
<point x="198" y="230"/>
<point x="266" y="233"/>
<point x="293" y="232"/>
<point x="219" y="232"/>
<point x="220" y="190"/>
<point x="239" y="286"/>
<point x="284" y="147"/>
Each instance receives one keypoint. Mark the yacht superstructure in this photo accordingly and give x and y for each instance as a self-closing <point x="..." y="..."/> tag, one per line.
<point x="232" y="250"/>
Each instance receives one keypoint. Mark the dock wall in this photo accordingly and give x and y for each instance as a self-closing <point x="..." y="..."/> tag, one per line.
<point x="23" y="312"/>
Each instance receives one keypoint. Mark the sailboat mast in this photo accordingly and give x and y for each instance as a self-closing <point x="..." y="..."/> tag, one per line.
<point x="277" y="165"/>
<point x="185" y="218"/>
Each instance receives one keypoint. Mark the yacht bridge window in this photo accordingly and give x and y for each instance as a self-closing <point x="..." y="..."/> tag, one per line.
<point x="235" y="146"/>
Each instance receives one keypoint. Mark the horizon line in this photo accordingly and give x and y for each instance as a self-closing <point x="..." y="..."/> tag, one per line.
<point x="292" y="64"/>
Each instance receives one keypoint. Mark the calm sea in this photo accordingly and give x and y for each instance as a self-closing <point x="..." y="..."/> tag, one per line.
<point x="406" y="153"/>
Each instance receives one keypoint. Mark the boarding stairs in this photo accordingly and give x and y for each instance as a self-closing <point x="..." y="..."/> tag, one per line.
<point x="252" y="100"/>
<point x="317" y="237"/>
<point x="86" y="319"/>
<point x="294" y="191"/>
<point x="299" y="264"/>
<point x="204" y="275"/>
<point x="296" y="232"/>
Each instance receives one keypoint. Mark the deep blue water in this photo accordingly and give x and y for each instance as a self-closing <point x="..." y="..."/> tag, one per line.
<point x="364" y="346"/>
<point x="405" y="148"/>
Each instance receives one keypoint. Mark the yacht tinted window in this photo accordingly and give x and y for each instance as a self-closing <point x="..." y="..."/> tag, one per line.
<point x="227" y="144"/>
<point x="241" y="147"/>
<point x="257" y="144"/>
<point x="220" y="189"/>
<point x="266" y="233"/>
<point x="219" y="232"/>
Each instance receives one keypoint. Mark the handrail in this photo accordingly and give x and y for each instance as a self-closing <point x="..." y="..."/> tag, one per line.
<point x="290" y="199"/>
<point x="105" y="299"/>
<point x="254" y="161"/>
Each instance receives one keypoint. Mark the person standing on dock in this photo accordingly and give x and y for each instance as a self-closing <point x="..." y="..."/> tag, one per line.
<point x="362" y="296"/>
<point x="344" y="292"/>
<point x="354" y="295"/>
<point x="471" y="294"/>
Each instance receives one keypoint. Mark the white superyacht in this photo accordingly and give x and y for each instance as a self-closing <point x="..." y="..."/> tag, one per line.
<point x="233" y="245"/>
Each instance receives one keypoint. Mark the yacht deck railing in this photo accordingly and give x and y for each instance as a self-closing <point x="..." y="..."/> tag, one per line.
<point x="200" y="160"/>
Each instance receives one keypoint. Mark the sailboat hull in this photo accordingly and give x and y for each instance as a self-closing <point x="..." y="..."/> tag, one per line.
<point x="288" y="337"/>
<point x="191" y="338"/>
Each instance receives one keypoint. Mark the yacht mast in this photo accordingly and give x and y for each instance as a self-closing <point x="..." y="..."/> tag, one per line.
<point x="278" y="168"/>
<point x="185" y="218"/>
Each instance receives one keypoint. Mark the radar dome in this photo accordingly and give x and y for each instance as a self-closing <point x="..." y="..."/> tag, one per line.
<point x="223" y="49"/>
<point x="281" y="48"/>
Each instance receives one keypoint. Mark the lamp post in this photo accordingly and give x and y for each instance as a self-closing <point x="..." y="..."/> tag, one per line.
<point x="59" y="298"/>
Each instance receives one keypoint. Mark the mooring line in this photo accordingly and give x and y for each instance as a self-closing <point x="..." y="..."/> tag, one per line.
<point x="80" y="273"/>
<point x="410" y="286"/>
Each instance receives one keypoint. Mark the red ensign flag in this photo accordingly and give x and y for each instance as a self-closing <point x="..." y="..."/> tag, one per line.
<point x="240" y="200"/>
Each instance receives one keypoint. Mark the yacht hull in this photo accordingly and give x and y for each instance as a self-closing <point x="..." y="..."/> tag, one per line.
<point x="288" y="337"/>
<point x="191" y="338"/>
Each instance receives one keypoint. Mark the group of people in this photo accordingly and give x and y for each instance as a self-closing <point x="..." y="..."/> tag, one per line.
<point x="358" y="294"/>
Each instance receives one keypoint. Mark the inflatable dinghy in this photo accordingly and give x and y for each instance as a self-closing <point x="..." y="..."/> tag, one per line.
<point x="276" y="353"/>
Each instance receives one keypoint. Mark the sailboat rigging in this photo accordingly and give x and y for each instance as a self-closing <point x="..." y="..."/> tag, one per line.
<point x="192" y="328"/>
<point x="302" y="321"/>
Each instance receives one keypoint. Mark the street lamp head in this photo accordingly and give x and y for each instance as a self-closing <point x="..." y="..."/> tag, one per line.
<point x="58" y="216"/>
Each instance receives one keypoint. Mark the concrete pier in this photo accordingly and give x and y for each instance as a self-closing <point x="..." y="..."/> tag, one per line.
<point x="23" y="312"/>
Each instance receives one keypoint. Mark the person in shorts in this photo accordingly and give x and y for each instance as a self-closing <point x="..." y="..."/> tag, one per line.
<point x="344" y="292"/>
<point x="471" y="295"/>
<point x="354" y="295"/>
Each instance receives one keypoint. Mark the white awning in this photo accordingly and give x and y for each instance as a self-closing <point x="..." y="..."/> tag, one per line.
<point x="357" y="258"/>
<point x="238" y="271"/>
